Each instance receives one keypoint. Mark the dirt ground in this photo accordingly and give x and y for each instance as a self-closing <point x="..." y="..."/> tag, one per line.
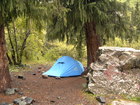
<point x="51" y="91"/>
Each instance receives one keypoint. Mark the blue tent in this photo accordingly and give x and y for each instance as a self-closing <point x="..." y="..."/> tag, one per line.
<point x="65" y="67"/>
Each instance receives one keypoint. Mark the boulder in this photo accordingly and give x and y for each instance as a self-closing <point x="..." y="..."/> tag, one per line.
<point x="116" y="71"/>
<point x="29" y="100"/>
<point x="101" y="99"/>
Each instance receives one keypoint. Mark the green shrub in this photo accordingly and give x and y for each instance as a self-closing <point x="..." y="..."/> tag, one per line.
<point x="60" y="49"/>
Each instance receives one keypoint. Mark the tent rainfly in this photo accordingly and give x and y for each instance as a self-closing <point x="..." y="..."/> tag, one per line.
<point x="65" y="67"/>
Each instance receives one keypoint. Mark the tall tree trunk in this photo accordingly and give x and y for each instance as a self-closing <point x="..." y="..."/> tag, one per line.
<point x="16" y="45"/>
<point x="12" y="46"/>
<point x="79" y="46"/>
<point x="92" y="41"/>
<point x="27" y="34"/>
<point x="4" y="71"/>
<point x="23" y="46"/>
<point x="9" y="59"/>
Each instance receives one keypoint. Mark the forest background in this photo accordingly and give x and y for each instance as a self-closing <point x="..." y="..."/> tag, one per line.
<point x="29" y="38"/>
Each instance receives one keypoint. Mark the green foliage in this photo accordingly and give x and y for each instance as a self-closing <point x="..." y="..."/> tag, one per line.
<point x="111" y="17"/>
<point x="59" y="49"/>
<point x="16" y="68"/>
<point x="7" y="10"/>
<point x="136" y="99"/>
<point x="33" y="45"/>
<point x="41" y="52"/>
<point x="117" y="23"/>
<point x="118" y="42"/>
<point x="21" y="21"/>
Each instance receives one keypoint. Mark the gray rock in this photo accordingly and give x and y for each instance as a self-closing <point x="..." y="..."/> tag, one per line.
<point x="23" y="101"/>
<point x="29" y="100"/>
<point x="101" y="99"/>
<point x="20" y="93"/>
<point x="10" y="91"/>
<point x="4" y="103"/>
<point x="17" y="101"/>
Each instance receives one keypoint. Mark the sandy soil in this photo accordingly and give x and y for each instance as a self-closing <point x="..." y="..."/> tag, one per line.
<point x="51" y="91"/>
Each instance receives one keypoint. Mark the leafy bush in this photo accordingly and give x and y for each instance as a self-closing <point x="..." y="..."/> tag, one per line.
<point x="60" y="49"/>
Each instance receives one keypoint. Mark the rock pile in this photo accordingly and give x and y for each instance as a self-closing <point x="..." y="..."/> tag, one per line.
<point x="117" y="71"/>
<point x="21" y="101"/>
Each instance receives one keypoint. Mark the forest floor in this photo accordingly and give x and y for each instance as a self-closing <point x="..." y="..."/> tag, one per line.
<point x="50" y="91"/>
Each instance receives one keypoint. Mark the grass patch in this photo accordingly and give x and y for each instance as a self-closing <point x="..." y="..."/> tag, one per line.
<point x="89" y="96"/>
<point x="118" y="42"/>
<point x="16" y="68"/>
<point x="136" y="99"/>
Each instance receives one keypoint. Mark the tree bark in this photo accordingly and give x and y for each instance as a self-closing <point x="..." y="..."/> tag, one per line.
<point x="92" y="41"/>
<point x="4" y="71"/>
<point x="16" y="45"/>
<point x="9" y="59"/>
<point x="79" y="47"/>
<point x="12" y="46"/>
<point x="23" y="46"/>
